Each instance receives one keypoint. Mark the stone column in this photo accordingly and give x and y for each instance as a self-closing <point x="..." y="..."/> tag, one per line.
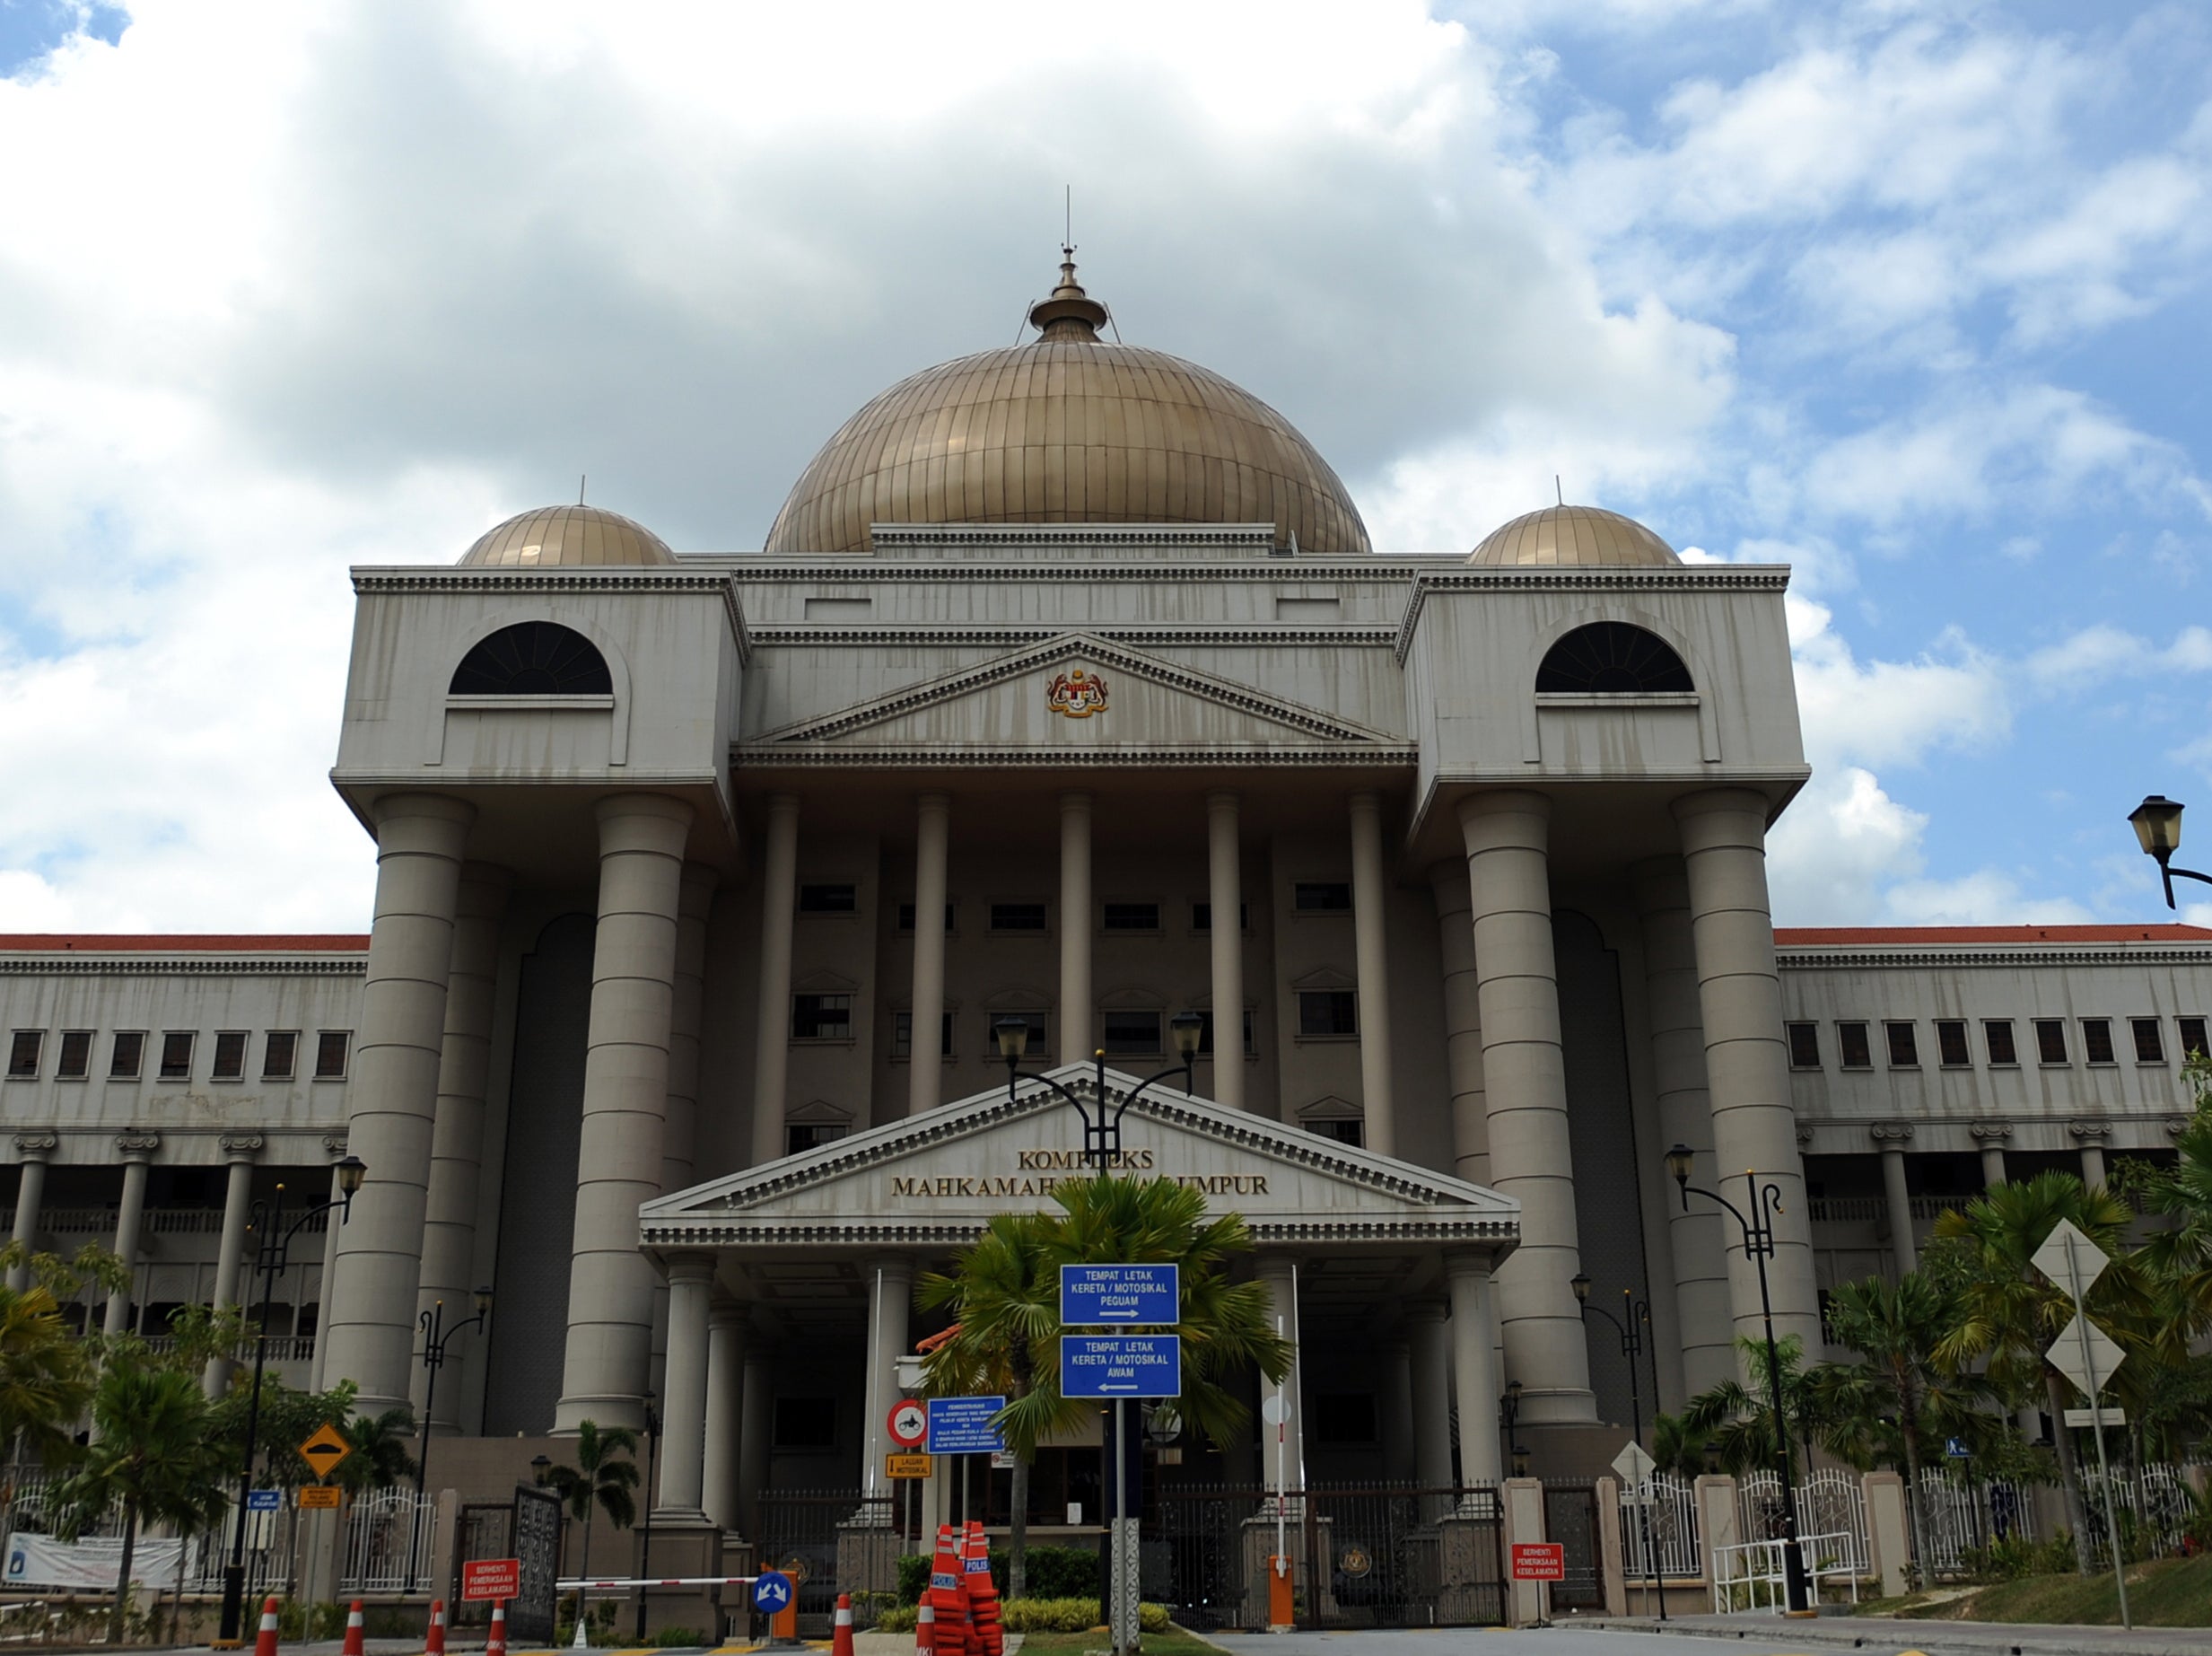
<point x="239" y="1150"/>
<point x="1507" y="835"/>
<point x="391" y="1100"/>
<point x="679" y="1128"/>
<point x="32" y="1150"/>
<point x="2091" y="1137"/>
<point x="890" y="1291"/>
<point x="725" y="1398"/>
<point x="1432" y="1396"/>
<point x="1225" y="941"/>
<point x="1279" y="1275"/>
<point x="625" y="1091"/>
<point x="334" y="1146"/>
<point x="772" y="1030"/>
<point x="457" y="1137"/>
<point x="1077" y="1014"/>
<point x="1370" y="901"/>
<point x="684" y="1402"/>
<point x="1474" y="1378"/>
<point x="1394" y="1376"/>
<point x="756" y="1471"/>
<point x="1990" y="1135"/>
<point x="926" y="1067"/>
<point x="1746" y="1065"/>
<point x="137" y="1149"/>
<point x="1463" y="1022"/>
<point x="1891" y="1137"/>
<point x="1694" y="1235"/>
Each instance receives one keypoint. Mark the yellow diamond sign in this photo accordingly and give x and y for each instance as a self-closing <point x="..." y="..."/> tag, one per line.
<point x="325" y="1449"/>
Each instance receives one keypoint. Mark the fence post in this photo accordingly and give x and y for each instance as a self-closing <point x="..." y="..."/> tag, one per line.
<point x="1611" y="1567"/>
<point x="1717" y="1524"/>
<point x="1888" y="1531"/>
<point x="1524" y="1521"/>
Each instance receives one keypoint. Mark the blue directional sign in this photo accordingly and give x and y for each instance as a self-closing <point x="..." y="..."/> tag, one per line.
<point x="1093" y="1294"/>
<point x="263" y="1500"/>
<point x="962" y="1426"/>
<point x="772" y="1591"/>
<point x="1121" y="1365"/>
<point x="1957" y="1449"/>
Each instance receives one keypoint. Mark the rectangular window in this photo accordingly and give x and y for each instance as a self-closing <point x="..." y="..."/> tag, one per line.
<point x="331" y="1047"/>
<point x="127" y="1054"/>
<point x="821" y="1017"/>
<point x="2096" y="1041"/>
<point x="2192" y="1035"/>
<point x="1805" y="1046"/>
<point x="805" y="1422"/>
<point x="76" y="1055"/>
<point x="1039" y="1029"/>
<point x="902" y="1035"/>
<point x="1343" y="1129"/>
<point x="23" y="1055"/>
<point x="2150" y="1046"/>
<point x="1130" y="917"/>
<point x="1904" y="1046"/>
<point x="1344" y="1418"/>
<point x="1851" y="1047"/>
<point x="2050" y="1040"/>
<point x="800" y="1136"/>
<point x="1997" y="1037"/>
<point x="1324" y="1013"/>
<point x="1018" y="916"/>
<point x="1201" y="917"/>
<point x="1205" y="1035"/>
<point x="1321" y="897"/>
<point x="907" y="916"/>
<point x="1951" y="1043"/>
<point x="280" y="1052"/>
<point x="177" y="1055"/>
<point x="831" y="900"/>
<point x="1130" y="1034"/>
<point x="230" y="1056"/>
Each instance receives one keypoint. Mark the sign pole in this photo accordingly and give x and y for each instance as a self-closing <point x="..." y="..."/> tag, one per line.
<point x="2096" y="1423"/>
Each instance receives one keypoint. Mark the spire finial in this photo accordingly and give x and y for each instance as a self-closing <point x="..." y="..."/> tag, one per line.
<point x="1069" y="313"/>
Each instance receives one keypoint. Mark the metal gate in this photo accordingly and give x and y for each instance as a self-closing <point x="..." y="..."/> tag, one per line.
<point x="484" y="1531"/>
<point x="1570" y="1519"/>
<point x="830" y="1541"/>
<point x="527" y="1529"/>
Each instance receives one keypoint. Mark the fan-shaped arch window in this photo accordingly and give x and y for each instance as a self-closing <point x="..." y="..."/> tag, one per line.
<point x="1611" y="658"/>
<point x="533" y="658"/>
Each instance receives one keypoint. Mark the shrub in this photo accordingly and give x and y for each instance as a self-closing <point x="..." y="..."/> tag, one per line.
<point x="1054" y="1573"/>
<point x="900" y="1619"/>
<point x="914" y="1575"/>
<point x="1070" y="1616"/>
<point x="680" y="1636"/>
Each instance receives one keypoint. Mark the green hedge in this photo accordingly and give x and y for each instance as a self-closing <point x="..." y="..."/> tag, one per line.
<point x="1039" y="1615"/>
<point x="1052" y="1572"/>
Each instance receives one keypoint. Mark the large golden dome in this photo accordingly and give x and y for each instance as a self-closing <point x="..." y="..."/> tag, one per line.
<point x="1067" y="429"/>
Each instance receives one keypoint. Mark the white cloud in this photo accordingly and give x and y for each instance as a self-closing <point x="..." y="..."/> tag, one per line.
<point x="2102" y="651"/>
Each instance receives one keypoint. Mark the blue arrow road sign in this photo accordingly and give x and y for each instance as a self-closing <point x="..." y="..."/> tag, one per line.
<point x="1121" y="1365"/>
<point x="962" y="1426"/>
<point x="1092" y="1294"/>
<point x="772" y="1591"/>
<point x="262" y="1501"/>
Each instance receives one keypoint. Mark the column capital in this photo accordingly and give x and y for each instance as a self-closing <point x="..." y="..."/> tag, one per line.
<point x="334" y="1146"/>
<point x="690" y="1268"/>
<point x="36" y="1146"/>
<point x="2090" y="1132"/>
<point x="1991" y="1132"/>
<point x="1422" y="1311"/>
<point x="1462" y="1262"/>
<point x="897" y="1266"/>
<point x="784" y="804"/>
<point x="443" y="807"/>
<point x="1223" y="799"/>
<point x="240" y="1147"/>
<point x="1891" y="1136"/>
<point x="1074" y="799"/>
<point x="935" y="799"/>
<point x="726" y="1311"/>
<point x="1503" y="802"/>
<point x="1805" y="1134"/>
<point x="133" y="1145"/>
<point x="2178" y="1124"/>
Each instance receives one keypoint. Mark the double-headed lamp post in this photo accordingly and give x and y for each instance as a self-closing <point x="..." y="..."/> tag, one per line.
<point x="435" y="1337"/>
<point x="1766" y="1201"/>
<point x="272" y="1257"/>
<point x="1102" y="1132"/>
<point x="1634" y="1318"/>
<point x="2158" y="826"/>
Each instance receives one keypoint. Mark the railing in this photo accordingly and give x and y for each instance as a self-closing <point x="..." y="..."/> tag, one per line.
<point x="1963" y="1514"/>
<point x="281" y="1347"/>
<point x="2151" y="1503"/>
<point x="1670" y="1507"/>
<point x="1875" y="1209"/>
<point x="389" y="1535"/>
<point x="1829" y="1503"/>
<point x="159" y="1221"/>
<point x="1751" y="1576"/>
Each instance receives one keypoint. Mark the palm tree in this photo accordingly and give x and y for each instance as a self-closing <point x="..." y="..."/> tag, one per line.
<point x="380" y="1458"/>
<point x="1739" y="1420"/>
<point x="1675" y="1450"/>
<point x="2008" y="1312"/>
<point x="45" y="1377"/>
<point x="598" y="1479"/>
<point x="151" y="1454"/>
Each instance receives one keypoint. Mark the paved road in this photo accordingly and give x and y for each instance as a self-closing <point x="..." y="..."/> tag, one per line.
<point x="1736" y="1637"/>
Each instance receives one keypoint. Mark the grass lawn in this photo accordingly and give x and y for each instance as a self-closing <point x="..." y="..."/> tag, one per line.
<point x="2173" y="1592"/>
<point x="1174" y="1643"/>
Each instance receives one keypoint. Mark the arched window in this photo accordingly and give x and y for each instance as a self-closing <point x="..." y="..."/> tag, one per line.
<point x="1611" y="658"/>
<point x="533" y="658"/>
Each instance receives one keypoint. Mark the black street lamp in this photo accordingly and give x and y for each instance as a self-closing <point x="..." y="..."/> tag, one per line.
<point x="1102" y="1133"/>
<point x="646" y="1548"/>
<point x="1766" y="1201"/>
<point x="2158" y="825"/>
<point x="435" y="1337"/>
<point x="1509" y="1418"/>
<point x="1637" y="1315"/>
<point x="271" y="1257"/>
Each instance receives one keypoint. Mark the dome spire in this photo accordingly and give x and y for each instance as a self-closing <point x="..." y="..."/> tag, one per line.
<point x="1068" y="312"/>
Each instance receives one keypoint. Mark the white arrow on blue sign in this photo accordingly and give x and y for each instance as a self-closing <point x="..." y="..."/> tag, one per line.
<point x="962" y="1426"/>
<point x="772" y="1591"/>
<point x="1121" y="1365"/>
<point x="1136" y="1294"/>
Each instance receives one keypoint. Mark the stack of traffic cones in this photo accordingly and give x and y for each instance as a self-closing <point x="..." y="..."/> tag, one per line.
<point x="926" y="1628"/>
<point x="983" y="1594"/>
<point x="435" y="1644"/>
<point x="265" y="1642"/>
<point x="950" y="1596"/>
<point x="354" y="1632"/>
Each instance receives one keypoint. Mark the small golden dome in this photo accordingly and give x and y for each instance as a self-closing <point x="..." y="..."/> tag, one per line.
<point x="1067" y="429"/>
<point x="567" y="538"/>
<point x="1572" y="535"/>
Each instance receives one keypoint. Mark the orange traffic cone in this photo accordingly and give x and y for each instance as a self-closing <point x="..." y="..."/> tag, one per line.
<point x="496" y="1644"/>
<point x="949" y="1597"/>
<point x="926" y="1628"/>
<point x="265" y="1642"/>
<point x="353" y="1633"/>
<point x="983" y="1592"/>
<point x="435" y="1644"/>
<point x="841" y="1635"/>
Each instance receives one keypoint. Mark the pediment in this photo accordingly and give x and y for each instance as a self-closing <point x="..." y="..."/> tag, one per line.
<point x="1080" y="694"/>
<point x="937" y="1177"/>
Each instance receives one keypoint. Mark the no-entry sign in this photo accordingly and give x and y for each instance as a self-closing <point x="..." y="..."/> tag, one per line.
<point x="909" y="1425"/>
<point x="492" y="1579"/>
<point x="1539" y="1561"/>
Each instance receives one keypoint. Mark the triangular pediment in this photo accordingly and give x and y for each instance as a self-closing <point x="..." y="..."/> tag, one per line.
<point x="937" y="1177"/>
<point x="1080" y="694"/>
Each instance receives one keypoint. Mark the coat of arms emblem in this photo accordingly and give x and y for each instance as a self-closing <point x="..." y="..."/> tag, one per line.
<point x="1077" y="694"/>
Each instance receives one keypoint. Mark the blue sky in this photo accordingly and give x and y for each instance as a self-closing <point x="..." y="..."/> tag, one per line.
<point x="1908" y="295"/>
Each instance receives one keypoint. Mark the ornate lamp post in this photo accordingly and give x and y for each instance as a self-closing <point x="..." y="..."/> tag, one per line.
<point x="1508" y="1421"/>
<point x="271" y="1258"/>
<point x="645" y="1546"/>
<point x="1102" y="1133"/>
<point x="1637" y="1315"/>
<point x="2158" y="826"/>
<point x="1766" y="1201"/>
<point x="435" y="1337"/>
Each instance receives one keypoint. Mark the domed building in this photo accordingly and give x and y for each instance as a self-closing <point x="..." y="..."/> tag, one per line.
<point x="1067" y="784"/>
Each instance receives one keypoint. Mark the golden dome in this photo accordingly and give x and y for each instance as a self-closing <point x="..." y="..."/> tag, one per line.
<point x="567" y="538"/>
<point x="1573" y="535"/>
<point x="1066" y="429"/>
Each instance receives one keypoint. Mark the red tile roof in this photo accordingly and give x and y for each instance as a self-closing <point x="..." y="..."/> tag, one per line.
<point x="184" y="942"/>
<point x="1911" y="936"/>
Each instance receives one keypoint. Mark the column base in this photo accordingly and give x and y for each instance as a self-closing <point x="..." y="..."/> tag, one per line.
<point x="687" y="1547"/>
<point x="569" y="1414"/>
<point x="1564" y="1406"/>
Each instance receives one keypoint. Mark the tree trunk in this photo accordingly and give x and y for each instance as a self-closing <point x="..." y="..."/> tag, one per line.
<point x="583" y="1574"/>
<point x="2077" y="1502"/>
<point x="123" y="1576"/>
<point x="1017" y="1534"/>
<point x="1917" y="1498"/>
